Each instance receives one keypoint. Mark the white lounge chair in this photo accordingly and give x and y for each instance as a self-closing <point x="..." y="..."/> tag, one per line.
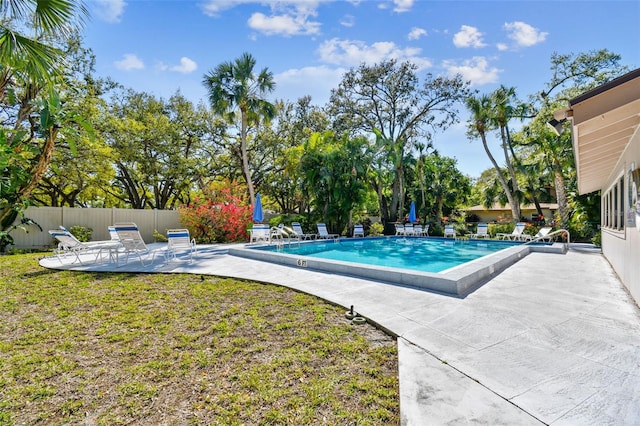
<point x="449" y="231"/>
<point x="260" y="232"/>
<point x="515" y="235"/>
<point x="358" y="231"/>
<point x="298" y="230"/>
<point x="482" y="231"/>
<point x="542" y="235"/>
<point x="132" y="243"/>
<point x="179" y="240"/>
<point x="323" y="234"/>
<point x="425" y="230"/>
<point x="400" y="230"/>
<point x="408" y="229"/>
<point x="68" y="244"/>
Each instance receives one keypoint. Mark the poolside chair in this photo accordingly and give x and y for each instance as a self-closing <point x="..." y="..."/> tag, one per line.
<point x="358" y="231"/>
<point x="449" y="231"/>
<point x="481" y="232"/>
<point x="324" y="234"/>
<point x="400" y="229"/>
<point x="298" y="230"/>
<point x="408" y="229"/>
<point x="68" y="244"/>
<point x="542" y="235"/>
<point x="259" y="232"/>
<point x="515" y="235"/>
<point x="132" y="243"/>
<point x="425" y="230"/>
<point x="179" y="240"/>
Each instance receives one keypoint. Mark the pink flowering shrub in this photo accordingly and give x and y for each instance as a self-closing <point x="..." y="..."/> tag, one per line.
<point x="221" y="217"/>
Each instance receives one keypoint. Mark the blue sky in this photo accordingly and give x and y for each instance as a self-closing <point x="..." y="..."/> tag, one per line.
<point x="161" y="46"/>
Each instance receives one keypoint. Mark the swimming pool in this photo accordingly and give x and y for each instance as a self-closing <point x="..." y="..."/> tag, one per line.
<point x="419" y="254"/>
<point x="401" y="264"/>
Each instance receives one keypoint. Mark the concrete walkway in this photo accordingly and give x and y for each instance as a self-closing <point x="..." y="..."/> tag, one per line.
<point x="554" y="339"/>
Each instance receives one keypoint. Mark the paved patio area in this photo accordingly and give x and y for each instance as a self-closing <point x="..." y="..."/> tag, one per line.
<point x="554" y="339"/>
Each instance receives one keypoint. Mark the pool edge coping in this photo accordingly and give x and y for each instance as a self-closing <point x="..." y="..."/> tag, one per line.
<point x="458" y="281"/>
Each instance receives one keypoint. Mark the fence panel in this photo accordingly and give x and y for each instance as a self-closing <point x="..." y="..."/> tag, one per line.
<point x="96" y="219"/>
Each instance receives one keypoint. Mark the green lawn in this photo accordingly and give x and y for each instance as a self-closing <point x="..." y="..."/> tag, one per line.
<point x="183" y="349"/>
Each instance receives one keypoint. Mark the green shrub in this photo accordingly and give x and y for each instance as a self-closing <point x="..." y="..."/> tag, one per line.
<point x="82" y="233"/>
<point x="376" y="229"/>
<point x="597" y="239"/>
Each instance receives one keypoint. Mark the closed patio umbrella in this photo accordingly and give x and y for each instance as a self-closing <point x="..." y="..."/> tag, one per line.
<point x="412" y="212"/>
<point x="258" y="216"/>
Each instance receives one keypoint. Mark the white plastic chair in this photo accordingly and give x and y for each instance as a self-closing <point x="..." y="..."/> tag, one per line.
<point x="132" y="243"/>
<point x="179" y="240"/>
<point x="482" y="231"/>
<point x="358" y="231"/>
<point x="324" y="234"/>
<point x="449" y="231"/>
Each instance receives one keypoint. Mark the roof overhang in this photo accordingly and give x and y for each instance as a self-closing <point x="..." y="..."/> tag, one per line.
<point x="604" y="121"/>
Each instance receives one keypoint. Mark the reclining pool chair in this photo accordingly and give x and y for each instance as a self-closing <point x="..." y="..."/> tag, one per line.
<point x="132" y="243"/>
<point x="323" y="234"/>
<point x="449" y="231"/>
<point x="298" y="230"/>
<point x="68" y="244"/>
<point x="358" y="231"/>
<point x="515" y="235"/>
<point x="179" y="240"/>
<point x="481" y="232"/>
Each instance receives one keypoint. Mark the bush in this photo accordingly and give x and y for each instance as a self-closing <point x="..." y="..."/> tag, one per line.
<point x="82" y="233"/>
<point x="597" y="239"/>
<point x="224" y="217"/>
<point x="376" y="229"/>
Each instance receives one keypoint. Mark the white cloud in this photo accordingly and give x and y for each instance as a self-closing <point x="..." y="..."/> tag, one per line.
<point x="187" y="66"/>
<point x="402" y="5"/>
<point x="283" y="24"/>
<point x="286" y="17"/>
<point x="502" y="46"/>
<point x="351" y="53"/>
<point x="468" y="37"/>
<point x="109" y="10"/>
<point x="476" y="70"/>
<point x="347" y="21"/>
<point x="129" y="62"/>
<point x="416" y="33"/>
<point x="214" y="7"/>
<point x="524" y="34"/>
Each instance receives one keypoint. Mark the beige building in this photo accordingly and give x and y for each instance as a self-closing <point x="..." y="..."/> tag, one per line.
<point x="499" y="213"/>
<point x="606" y="144"/>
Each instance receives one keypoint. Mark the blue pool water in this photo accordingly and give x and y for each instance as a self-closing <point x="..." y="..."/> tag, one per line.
<point x="418" y="254"/>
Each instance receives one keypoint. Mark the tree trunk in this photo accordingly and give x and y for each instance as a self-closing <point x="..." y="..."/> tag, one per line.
<point x="515" y="209"/>
<point x="503" y="181"/>
<point x="245" y="157"/>
<point x="561" y="195"/>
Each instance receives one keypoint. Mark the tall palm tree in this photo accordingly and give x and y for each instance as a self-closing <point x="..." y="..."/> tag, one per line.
<point x="503" y="110"/>
<point x="481" y="121"/>
<point x="233" y="86"/>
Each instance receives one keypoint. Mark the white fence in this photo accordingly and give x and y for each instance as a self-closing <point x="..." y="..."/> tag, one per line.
<point x="96" y="219"/>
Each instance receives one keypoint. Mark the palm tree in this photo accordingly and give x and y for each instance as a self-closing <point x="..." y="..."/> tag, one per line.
<point x="482" y="116"/>
<point x="26" y="53"/>
<point x="234" y="85"/>
<point x="503" y="111"/>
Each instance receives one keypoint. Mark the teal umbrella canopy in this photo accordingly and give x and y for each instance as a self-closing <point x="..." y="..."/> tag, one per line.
<point x="412" y="212"/>
<point x="258" y="215"/>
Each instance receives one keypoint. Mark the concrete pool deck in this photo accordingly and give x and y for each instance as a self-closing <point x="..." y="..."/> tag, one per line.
<point x="553" y="339"/>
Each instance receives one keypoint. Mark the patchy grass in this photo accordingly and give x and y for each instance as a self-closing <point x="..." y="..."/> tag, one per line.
<point x="110" y="349"/>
